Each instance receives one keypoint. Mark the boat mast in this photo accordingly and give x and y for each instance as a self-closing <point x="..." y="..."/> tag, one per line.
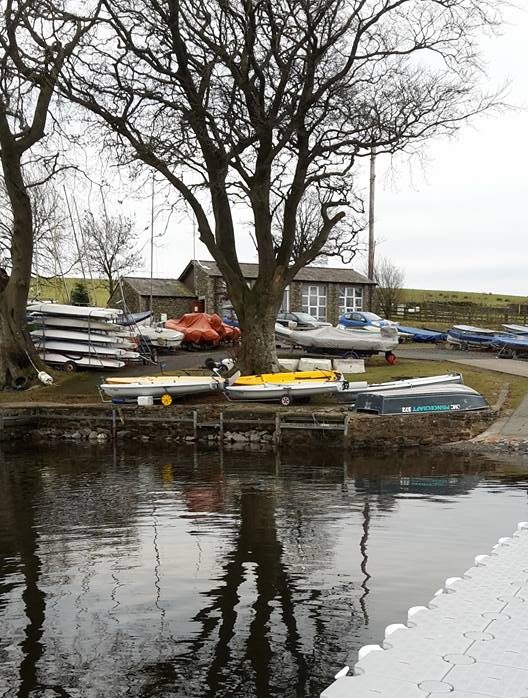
<point x="371" y="241"/>
<point x="151" y="241"/>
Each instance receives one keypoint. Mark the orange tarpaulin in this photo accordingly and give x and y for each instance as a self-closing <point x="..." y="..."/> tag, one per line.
<point x="201" y="327"/>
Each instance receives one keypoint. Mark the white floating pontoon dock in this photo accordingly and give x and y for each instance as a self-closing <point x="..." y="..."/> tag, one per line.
<point x="470" y="642"/>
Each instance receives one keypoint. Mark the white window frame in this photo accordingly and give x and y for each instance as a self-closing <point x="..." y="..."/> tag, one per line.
<point x="350" y="299"/>
<point x="315" y="300"/>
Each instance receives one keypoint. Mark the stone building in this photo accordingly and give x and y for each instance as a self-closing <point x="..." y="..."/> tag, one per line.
<point x="323" y="292"/>
<point x="169" y="296"/>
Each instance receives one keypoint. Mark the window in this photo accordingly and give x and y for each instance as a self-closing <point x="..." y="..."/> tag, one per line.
<point x="314" y="300"/>
<point x="350" y="299"/>
<point x="285" y="305"/>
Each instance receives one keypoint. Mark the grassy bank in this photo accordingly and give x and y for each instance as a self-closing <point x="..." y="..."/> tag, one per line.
<point x="81" y="388"/>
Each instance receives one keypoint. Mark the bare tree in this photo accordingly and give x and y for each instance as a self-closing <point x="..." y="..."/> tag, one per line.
<point x="110" y="242"/>
<point x="389" y="280"/>
<point x="260" y="106"/>
<point x="36" y="39"/>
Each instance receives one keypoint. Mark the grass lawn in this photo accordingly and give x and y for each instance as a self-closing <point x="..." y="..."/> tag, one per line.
<point x="82" y="387"/>
<point x="415" y="295"/>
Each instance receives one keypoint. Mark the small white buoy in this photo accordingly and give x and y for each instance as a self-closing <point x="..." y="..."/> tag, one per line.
<point x="341" y="674"/>
<point x="45" y="378"/>
<point x="367" y="649"/>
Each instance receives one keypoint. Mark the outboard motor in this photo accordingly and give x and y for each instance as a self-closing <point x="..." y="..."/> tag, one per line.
<point x="219" y="367"/>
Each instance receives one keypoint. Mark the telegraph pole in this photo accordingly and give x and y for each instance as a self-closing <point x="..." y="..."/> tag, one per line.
<point x="371" y="241"/>
<point x="151" y="241"/>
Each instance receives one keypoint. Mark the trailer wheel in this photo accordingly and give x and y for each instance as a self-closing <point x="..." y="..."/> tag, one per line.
<point x="285" y="401"/>
<point x="390" y="358"/>
<point x="166" y="400"/>
<point x="70" y="367"/>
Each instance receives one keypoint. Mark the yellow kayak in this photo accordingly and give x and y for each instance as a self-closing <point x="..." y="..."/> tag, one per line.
<point x="288" y="377"/>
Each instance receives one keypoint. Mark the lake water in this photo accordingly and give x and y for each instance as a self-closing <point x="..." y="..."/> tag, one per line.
<point x="178" y="572"/>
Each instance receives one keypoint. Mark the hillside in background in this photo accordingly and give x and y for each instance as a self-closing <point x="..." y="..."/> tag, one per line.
<point x="416" y="295"/>
<point x="58" y="290"/>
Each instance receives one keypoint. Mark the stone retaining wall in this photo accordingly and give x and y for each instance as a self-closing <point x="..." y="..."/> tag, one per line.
<point x="299" y="427"/>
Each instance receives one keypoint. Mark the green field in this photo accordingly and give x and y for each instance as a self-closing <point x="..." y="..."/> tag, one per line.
<point x="58" y="290"/>
<point x="416" y="295"/>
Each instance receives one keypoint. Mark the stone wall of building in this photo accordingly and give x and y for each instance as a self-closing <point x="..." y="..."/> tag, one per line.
<point x="173" y="308"/>
<point x="132" y="299"/>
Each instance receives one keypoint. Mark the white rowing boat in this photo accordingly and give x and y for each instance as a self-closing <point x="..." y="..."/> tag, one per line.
<point x="352" y="390"/>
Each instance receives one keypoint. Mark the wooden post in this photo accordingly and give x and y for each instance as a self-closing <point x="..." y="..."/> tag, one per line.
<point x="221" y="426"/>
<point x="371" y="242"/>
<point x="277" y="433"/>
<point x="113" y="425"/>
<point x="195" y="424"/>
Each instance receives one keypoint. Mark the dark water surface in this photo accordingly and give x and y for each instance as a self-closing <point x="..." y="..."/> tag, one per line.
<point x="185" y="573"/>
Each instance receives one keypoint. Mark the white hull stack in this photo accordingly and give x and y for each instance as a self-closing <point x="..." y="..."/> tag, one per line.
<point x="285" y="393"/>
<point x="74" y="337"/>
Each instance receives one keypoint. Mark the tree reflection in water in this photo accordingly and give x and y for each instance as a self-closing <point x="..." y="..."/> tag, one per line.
<point x="197" y="574"/>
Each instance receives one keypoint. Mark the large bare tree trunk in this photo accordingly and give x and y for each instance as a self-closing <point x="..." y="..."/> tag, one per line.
<point x="257" y="316"/>
<point x="16" y="346"/>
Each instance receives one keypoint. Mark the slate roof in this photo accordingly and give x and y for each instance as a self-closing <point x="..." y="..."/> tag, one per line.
<point x="169" y="288"/>
<point x="337" y="275"/>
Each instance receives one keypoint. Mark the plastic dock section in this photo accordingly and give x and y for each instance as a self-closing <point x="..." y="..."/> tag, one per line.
<point x="470" y="642"/>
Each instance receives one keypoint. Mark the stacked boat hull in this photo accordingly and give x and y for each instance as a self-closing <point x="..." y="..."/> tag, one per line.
<point x="81" y="337"/>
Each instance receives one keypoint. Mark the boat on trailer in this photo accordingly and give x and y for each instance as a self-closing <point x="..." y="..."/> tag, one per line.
<point x="469" y="336"/>
<point x="158" y="386"/>
<point x="72" y="361"/>
<point x="517" y="329"/>
<point x="509" y="345"/>
<point x="351" y="391"/>
<point x="341" y="342"/>
<point x="425" y="399"/>
<point x="283" y="391"/>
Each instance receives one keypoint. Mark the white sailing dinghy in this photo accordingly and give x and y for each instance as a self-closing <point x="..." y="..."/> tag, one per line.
<point x="156" y="386"/>
<point x="71" y="361"/>
<point x="284" y="388"/>
<point x="341" y="341"/>
<point x="51" y="333"/>
<point x="82" y="348"/>
<point x="80" y="323"/>
<point x="77" y="311"/>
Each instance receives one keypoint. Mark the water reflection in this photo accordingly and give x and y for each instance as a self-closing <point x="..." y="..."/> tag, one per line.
<point x="218" y="573"/>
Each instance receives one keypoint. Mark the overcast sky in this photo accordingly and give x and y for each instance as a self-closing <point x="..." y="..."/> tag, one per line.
<point x="459" y="222"/>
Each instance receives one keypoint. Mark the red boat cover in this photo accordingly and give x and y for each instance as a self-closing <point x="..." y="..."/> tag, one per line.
<point x="201" y="327"/>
